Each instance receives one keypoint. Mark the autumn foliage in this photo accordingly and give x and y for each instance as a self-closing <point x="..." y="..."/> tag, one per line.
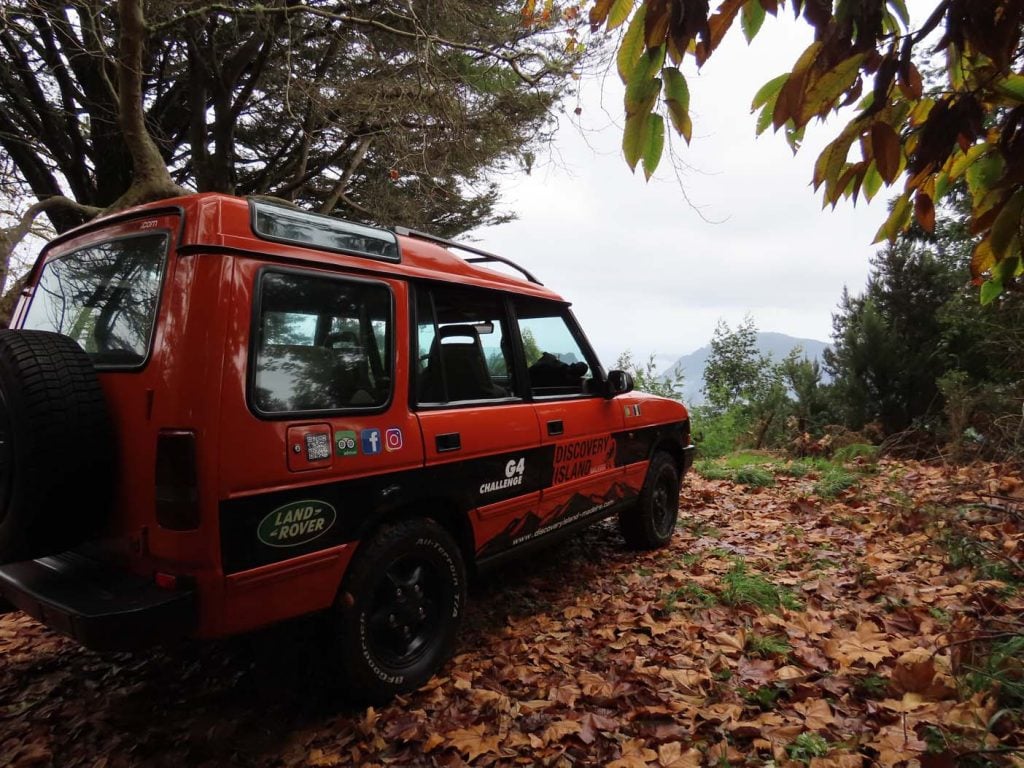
<point x="801" y="621"/>
<point x="967" y="125"/>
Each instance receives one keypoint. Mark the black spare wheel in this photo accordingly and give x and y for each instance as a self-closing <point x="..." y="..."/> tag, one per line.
<point x="399" y="609"/>
<point x="55" y="446"/>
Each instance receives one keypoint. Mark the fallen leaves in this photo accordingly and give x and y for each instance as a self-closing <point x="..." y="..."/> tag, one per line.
<point x="595" y="657"/>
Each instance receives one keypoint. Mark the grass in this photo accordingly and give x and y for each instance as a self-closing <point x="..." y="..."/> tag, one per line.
<point x="740" y="587"/>
<point x="757" y="470"/>
<point x="689" y="593"/>
<point x="763" y="698"/>
<point x="850" y="453"/>
<point x="806" y="747"/>
<point x="767" y="645"/>
<point x="746" y="459"/>
<point x="698" y="528"/>
<point x="965" y="551"/>
<point x="754" y="477"/>
<point x="833" y="482"/>
<point x="743" y="474"/>
<point x="872" y="686"/>
<point x="1001" y="670"/>
<point x="803" y="467"/>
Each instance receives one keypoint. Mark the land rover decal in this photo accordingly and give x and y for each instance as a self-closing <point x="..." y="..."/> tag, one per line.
<point x="296" y="523"/>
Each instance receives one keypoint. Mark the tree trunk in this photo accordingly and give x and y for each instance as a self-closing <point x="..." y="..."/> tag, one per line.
<point x="151" y="179"/>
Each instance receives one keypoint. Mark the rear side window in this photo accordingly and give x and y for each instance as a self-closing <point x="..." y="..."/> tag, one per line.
<point x="323" y="344"/>
<point x="105" y="297"/>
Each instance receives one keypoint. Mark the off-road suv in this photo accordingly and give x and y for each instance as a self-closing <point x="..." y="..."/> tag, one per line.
<point x="219" y="413"/>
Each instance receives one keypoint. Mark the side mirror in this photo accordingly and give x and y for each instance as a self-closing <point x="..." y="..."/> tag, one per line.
<point x="619" y="383"/>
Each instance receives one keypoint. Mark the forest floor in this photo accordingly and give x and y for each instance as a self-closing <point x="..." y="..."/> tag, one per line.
<point x="805" y="614"/>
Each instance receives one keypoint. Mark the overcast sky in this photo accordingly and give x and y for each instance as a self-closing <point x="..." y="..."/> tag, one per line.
<point x="648" y="272"/>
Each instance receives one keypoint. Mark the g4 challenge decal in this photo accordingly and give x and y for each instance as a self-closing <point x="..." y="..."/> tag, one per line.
<point x="296" y="523"/>
<point x="514" y="474"/>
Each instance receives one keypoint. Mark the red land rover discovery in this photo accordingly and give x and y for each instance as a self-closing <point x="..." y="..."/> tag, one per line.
<point x="216" y="414"/>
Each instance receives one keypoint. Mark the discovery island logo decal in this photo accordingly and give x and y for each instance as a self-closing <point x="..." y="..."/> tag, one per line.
<point x="296" y="523"/>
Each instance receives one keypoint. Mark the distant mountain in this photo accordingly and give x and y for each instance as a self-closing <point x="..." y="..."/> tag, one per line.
<point x="775" y="345"/>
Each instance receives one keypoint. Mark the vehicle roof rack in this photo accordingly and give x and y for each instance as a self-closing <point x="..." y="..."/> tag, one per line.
<point x="481" y="255"/>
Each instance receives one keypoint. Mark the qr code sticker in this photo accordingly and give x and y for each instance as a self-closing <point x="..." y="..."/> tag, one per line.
<point x="318" y="447"/>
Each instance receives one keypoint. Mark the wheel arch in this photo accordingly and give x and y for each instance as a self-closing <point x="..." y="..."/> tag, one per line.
<point x="444" y="511"/>
<point x="673" y="449"/>
<point x="674" y="443"/>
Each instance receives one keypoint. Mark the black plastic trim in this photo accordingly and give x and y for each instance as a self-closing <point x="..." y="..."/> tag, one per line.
<point x="103" y="608"/>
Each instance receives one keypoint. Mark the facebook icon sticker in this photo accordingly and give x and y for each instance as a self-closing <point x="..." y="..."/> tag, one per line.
<point x="370" y="439"/>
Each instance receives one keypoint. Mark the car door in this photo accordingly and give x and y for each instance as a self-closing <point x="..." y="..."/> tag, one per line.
<point x="481" y="440"/>
<point x="577" y="424"/>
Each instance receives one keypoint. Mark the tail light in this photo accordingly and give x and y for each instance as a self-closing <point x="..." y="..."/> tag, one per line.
<point x="177" y="488"/>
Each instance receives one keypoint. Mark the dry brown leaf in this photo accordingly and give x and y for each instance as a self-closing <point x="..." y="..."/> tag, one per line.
<point x="433" y="741"/>
<point x="817" y="714"/>
<point x="473" y="742"/>
<point x="559" y="729"/>
<point x="671" y="755"/>
<point x="578" y="612"/>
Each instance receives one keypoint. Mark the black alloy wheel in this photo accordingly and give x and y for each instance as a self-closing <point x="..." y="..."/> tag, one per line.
<point x="399" y="609"/>
<point x="405" y="614"/>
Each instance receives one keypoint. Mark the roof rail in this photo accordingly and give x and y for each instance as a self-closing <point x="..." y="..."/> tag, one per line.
<point x="481" y="256"/>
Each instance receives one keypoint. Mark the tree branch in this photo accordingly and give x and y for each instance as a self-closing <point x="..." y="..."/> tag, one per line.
<point x="514" y="62"/>
<point x="11" y="236"/>
<point x="338" y="192"/>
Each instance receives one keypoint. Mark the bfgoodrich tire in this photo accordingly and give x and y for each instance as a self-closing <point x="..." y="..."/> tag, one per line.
<point x="399" y="609"/>
<point x="650" y="524"/>
<point x="55" y="446"/>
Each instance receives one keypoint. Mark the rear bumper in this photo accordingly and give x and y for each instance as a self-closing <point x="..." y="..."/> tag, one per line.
<point x="101" y="607"/>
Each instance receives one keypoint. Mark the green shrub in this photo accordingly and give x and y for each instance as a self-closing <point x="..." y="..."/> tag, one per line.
<point x="855" y="451"/>
<point x="718" y="434"/>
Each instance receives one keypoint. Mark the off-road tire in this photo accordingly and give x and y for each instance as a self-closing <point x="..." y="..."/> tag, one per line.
<point x="650" y="523"/>
<point x="56" y="453"/>
<point x="380" y="598"/>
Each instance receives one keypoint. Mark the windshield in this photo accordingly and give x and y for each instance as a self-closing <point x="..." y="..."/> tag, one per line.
<point x="104" y="297"/>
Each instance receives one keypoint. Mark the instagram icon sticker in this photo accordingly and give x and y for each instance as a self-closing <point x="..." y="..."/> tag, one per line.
<point x="393" y="439"/>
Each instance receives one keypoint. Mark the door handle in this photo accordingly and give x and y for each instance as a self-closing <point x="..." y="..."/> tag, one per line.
<point x="556" y="428"/>
<point x="448" y="442"/>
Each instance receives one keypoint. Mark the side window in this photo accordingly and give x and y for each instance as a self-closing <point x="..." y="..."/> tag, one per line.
<point x="322" y="344"/>
<point x="463" y="346"/>
<point x="555" y="361"/>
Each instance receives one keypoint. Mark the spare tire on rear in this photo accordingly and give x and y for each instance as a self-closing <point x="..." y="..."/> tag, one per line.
<point x="56" y="446"/>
